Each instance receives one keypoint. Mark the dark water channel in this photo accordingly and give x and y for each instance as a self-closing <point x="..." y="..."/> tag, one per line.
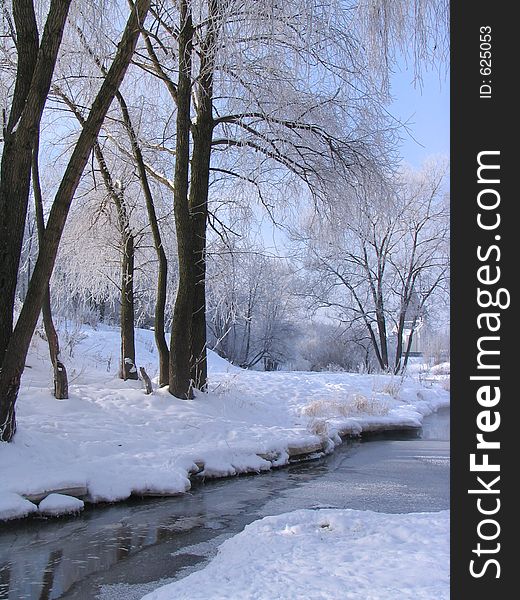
<point x="122" y="551"/>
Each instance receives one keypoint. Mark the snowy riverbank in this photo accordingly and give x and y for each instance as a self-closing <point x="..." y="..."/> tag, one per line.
<point x="329" y="553"/>
<point x="110" y="440"/>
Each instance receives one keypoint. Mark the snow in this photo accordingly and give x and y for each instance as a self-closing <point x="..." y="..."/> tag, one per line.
<point x="13" y="506"/>
<point x="328" y="553"/>
<point x="60" y="504"/>
<point x="109" y="440"/>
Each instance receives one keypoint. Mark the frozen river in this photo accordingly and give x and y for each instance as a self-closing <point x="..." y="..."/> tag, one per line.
<point x="120" y="552"/>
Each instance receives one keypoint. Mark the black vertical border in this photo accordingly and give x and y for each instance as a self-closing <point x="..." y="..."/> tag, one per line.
<point x="480" y="124"/>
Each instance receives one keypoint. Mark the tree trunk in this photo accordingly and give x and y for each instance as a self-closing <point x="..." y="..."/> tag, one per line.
<point x="249" y="315"/>
<point x="409" y="345"/>
<point x="159" y="319"/>
<point x="128" y="369"/>
<point x="200" y="165"/>
<point x="16" y="352"/>
<point x="202" y="137"/>
<point x="180" y="384"/>
<point x="33" y="77"/>
<point x="61" y="384"/>
<point x="381" y="329"/>
<point x="127" y="366"/>
<point x="399" y="347"/>
<point x="162" y="277"/>
<point x="15" y="166"/>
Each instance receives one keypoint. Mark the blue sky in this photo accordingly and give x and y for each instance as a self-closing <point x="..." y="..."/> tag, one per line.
<point x="425" y="108"/>
<point x="427" y="111"/>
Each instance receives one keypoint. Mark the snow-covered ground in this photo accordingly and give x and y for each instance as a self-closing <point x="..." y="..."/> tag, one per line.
<point x="109" y="440"/>
<point x="330" y="554"/>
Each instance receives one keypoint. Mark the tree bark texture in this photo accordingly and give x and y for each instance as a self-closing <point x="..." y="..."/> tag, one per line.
<point x="35" y="67"/>
<point x="128" y="368"/>
<point x="180" y="382"/>
<point x="200" y="166"/>
<point x="202" y="131"/>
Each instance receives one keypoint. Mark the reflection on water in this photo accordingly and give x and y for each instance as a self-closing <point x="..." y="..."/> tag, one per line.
<point x="437" y="426"/>
<point x="144" y="541"/>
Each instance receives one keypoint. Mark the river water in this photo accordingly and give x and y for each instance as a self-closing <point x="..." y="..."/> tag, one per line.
<point x="122" y="551"/>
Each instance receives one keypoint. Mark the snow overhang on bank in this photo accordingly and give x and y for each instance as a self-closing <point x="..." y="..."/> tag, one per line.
<point x="109" y="440"/>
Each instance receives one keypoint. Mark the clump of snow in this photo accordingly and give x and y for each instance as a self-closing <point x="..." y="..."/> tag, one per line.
<point x="441" y="369"/>
<point x="327" y="553"/>
<point x="59" y="504"/>
<point x="13" y="506"/>
<point x="111" y="440"/>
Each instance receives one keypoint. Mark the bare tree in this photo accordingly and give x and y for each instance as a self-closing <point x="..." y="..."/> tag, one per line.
<point x="252" y="313"/>
<point x="244" y="64"/>
<point x="14" y="185"/>
<point x="61" y="385"/>
<point x="36" y="60"/>
<point x="138" y="159"/>
<point x="378" y="260"/>
<point x="116" y="192"/>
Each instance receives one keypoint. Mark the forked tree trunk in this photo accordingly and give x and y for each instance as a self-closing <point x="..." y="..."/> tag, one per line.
<point x="160" y="305"/>
<point x="61" y="384"/>
<point x="127" y="366"/>
<point x="180" y="383"/>
<point x="33" y="77"/>
<point x="16" y="352"/>
<point x="409" y="345"/>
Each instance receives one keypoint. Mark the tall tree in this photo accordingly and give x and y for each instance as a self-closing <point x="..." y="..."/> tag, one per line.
<point x="15" y="352"/>
<point x="262" y="106"/>
<point x="61" y="384"/>
<point x="115" y="190"/>
<point x="380" y="258"/>
<point x="180" y="381"/>
<point x="162" y="275"/>
<point x="35" y="66"/>
<point x="138" y="159"/>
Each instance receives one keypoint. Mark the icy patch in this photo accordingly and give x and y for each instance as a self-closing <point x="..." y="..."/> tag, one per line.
<point x="435" y="460"/>
<point x="128" y="591"/>
<point x="203" y="549"/>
